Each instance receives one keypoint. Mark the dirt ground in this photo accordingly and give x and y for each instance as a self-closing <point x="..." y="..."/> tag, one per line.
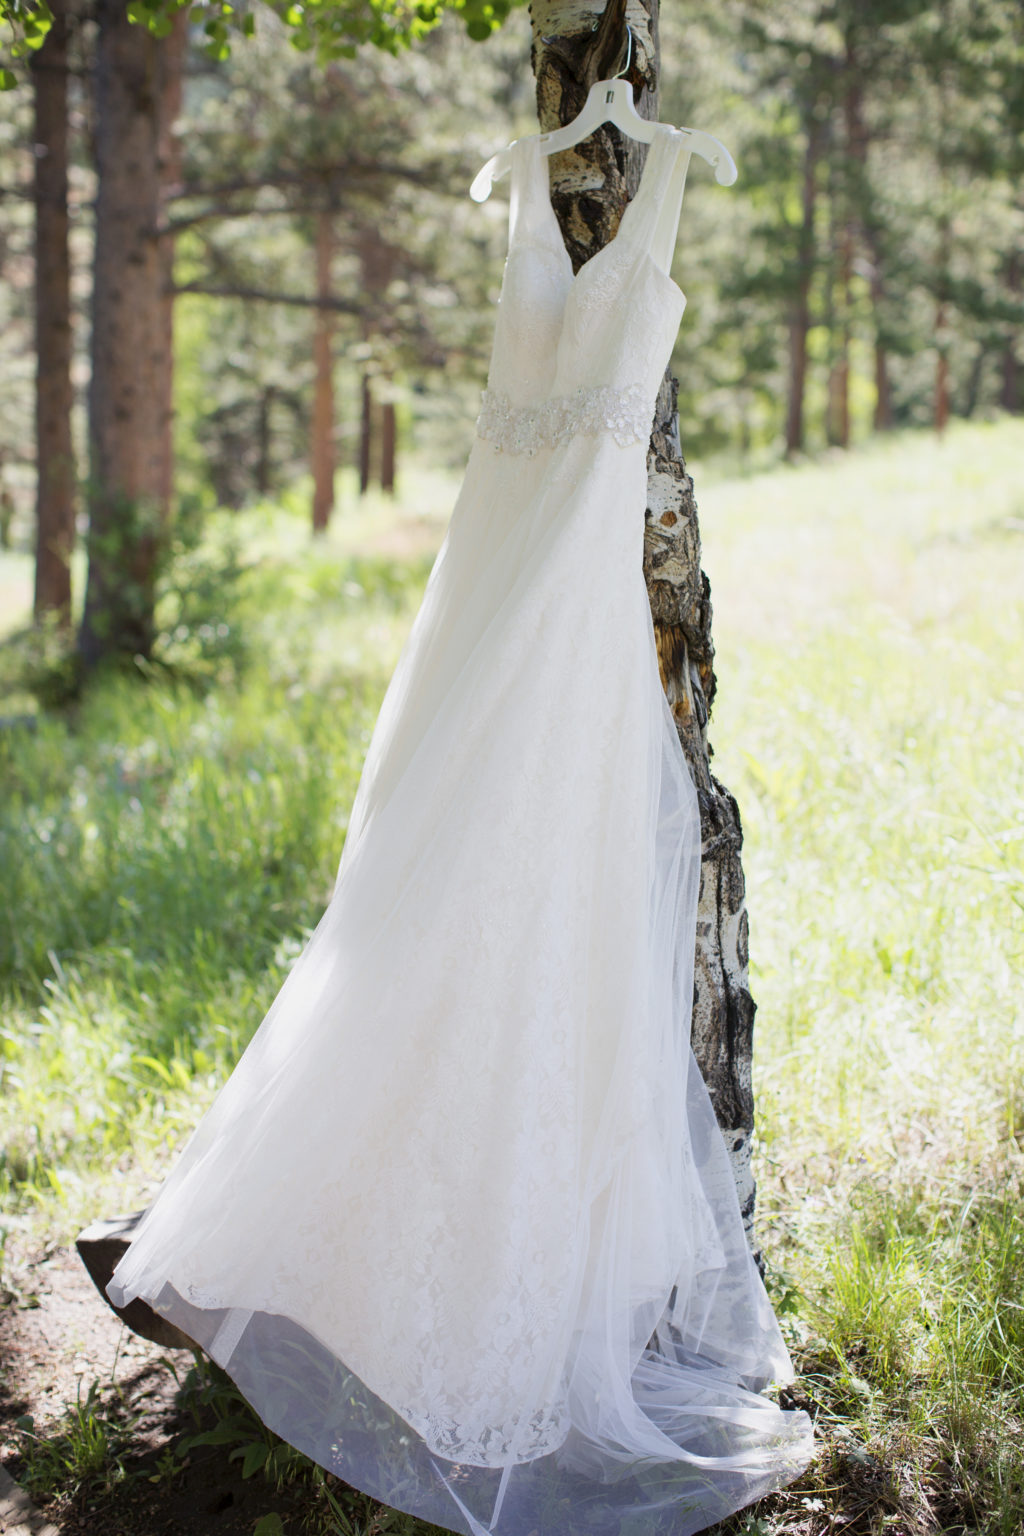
<point x="57" y="1339"/>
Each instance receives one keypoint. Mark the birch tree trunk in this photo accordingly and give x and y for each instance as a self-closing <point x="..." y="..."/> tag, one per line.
<point x="590" y="187"/>
<point x="55" y="464"/>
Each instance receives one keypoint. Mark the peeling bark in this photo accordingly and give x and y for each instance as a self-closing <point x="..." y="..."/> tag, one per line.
<point x="591" y="185"/>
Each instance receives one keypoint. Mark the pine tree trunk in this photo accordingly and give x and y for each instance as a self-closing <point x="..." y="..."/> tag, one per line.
<point x="800" y="316"/>
<point x="55" y="481"/>
<point x="941" y="373"/>
<point x="127" y="395"/>
<point x="171" y="58"/>
<point x="388" y="445"/>
<point x="851" y="196"/>
<point x="591" y="185"/>
<point x="883" y="391"/>
<point x="263" y="441"/>
<point x="872" y="232"/>
<point x="365" y="434"/>
<point x="1009" y="384"/>
<point x="839" y="374"/>
<point x="322" y="448"/>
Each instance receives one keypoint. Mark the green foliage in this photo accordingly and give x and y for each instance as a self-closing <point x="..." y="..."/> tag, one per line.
<point x="85" y="1454"/>
<point x="331" y="28"/>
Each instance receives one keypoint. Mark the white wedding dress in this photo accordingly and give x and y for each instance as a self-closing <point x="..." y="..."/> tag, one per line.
<point x="461" y="1224"/>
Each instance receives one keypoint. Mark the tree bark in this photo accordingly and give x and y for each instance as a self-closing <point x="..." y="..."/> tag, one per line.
<point x="388" y="445"/>
<point x="365" y="434"/>
<point x="838" y="434"/>
<point x="1009" y="384"/>
<point x="941" y="371"/>
<point x="263" y="440"/>
<point x="800" y="316"/>
<point x="591" y="185"/>
<point x="55" y="477"/>
<point x="322" y="448"/>
<point x="171" y="59"/>
<point x="127" y="395"/>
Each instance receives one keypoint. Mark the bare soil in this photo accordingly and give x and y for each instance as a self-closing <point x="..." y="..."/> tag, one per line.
<point x="58" y="1339"/>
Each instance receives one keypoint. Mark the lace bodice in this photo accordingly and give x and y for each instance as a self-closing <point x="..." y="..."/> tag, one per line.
<point x="584" y="354"/>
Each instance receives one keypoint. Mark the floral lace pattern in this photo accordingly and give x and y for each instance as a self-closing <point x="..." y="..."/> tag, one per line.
<point x="624" y="413"/>
<point x="466" y="1168"/>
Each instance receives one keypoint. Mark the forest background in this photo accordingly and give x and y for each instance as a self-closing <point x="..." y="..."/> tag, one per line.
<point x="168" y="835"/>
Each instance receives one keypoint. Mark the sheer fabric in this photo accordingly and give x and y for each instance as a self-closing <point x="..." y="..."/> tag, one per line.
<point x="461" y="1224"/>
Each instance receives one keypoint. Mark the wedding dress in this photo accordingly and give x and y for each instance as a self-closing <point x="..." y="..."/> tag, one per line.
<point x="461" y="1224"/>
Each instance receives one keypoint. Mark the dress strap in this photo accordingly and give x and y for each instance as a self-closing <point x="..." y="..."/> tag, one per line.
<point x="655" y="209"/>
<point x="529" y="202"/>
<point x="666" y="227"/>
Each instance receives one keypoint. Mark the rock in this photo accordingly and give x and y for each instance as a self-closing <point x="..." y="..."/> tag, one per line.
<point x="101" y="1247"/>
<point x="18" y="1515"/>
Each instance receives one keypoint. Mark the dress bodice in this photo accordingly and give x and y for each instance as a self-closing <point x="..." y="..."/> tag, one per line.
<point x="584" y="353"/>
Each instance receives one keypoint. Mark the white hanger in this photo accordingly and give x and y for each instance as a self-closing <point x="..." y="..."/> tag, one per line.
<point x="609" y="101"/>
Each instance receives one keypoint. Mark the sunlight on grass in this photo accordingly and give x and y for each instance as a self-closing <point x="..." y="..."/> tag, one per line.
<point x="166" y="849"/>
<point x="870" y="623"/>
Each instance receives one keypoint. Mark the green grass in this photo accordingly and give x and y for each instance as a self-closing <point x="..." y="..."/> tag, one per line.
<point x="166" y="848"/>
<point x="870" y="623"/>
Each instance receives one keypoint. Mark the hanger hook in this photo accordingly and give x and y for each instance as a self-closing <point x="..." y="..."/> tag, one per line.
<point x="629" y="53"/>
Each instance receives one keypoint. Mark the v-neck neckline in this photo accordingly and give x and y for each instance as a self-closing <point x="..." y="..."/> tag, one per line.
<point x="537" y="174"/>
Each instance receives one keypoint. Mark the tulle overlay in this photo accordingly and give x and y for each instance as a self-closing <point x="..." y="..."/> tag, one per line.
<point x="461" y="1224"/>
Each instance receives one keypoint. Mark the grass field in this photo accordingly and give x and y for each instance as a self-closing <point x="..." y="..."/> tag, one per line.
<point x="165" y="848"/>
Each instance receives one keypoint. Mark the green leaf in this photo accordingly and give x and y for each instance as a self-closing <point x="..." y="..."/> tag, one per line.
<point x="268" y="1525"/>
<point x="255" y="1457"/>
<point x="160" y="1068"/>
<point x="8" y="80"/>
<point x="230" y="1432"/>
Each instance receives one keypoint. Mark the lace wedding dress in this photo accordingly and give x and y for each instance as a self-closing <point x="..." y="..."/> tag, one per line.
<point x="461" y="1225"/>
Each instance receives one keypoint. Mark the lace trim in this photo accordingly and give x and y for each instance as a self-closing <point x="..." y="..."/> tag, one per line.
<point x="624" y="413"/>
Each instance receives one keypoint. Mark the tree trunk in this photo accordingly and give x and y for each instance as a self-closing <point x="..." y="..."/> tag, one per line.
<point x="838" y="434"/>
<point x="365" y="434"/>
<point x="388" y="445"/>
<point x="883" y="392"/>
<point x="837" y="422"/>
<point x="591" y="185"/>
<point x="55" y="478"/>
<point x="800" y="316"/>
<point x="127" y="395"/>
<point x="171" y="58"/>
<point x="941" y="371"/>
<point x="322" y="448"/>
<point x="263" y="441"/>
<point x="1009" y="384"/>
